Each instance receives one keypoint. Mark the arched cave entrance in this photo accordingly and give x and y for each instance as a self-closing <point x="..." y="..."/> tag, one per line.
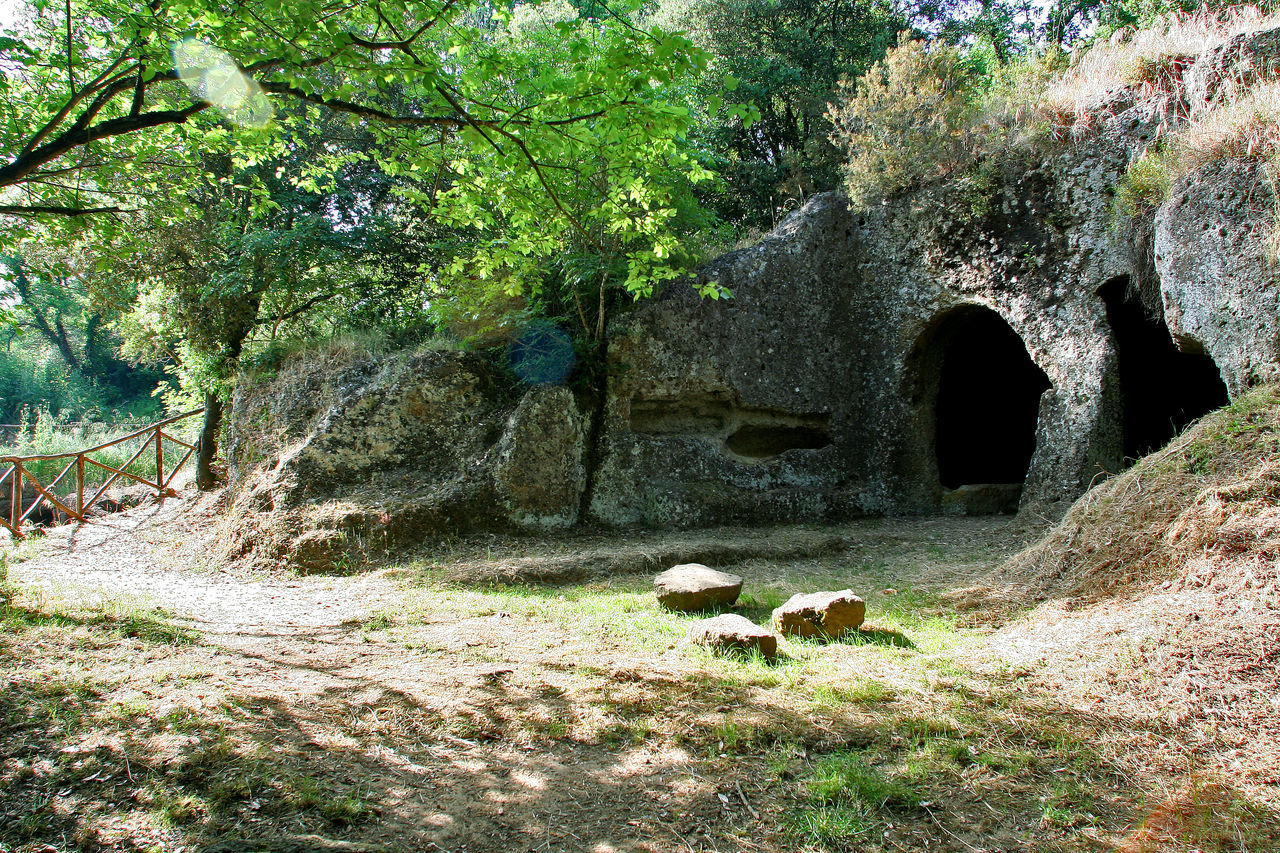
<point x="975" y="395"/>
<point x="1162" y="388"/>
<point x="987" y="402"/>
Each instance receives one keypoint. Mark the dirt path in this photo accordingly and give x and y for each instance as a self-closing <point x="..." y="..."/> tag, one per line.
<point x="288" y="656"/>
<point x="357" y="708"/>
<point x="145" y="555"/>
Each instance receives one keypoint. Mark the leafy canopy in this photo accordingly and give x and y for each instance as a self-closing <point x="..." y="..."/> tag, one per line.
<point x="536" y="128"/>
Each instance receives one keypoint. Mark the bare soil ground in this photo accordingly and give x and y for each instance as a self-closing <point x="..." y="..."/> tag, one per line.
<point x="155" y="702"/>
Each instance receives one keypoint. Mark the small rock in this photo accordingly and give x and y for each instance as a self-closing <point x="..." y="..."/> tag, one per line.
<point x="731" y="633"/>
<point x="693" y="586"/>
<point x="820" y="614"/>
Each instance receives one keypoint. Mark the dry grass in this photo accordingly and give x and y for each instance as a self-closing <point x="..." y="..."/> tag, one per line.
<point x="1147" y="64"/>
<point x="1211" y="491"/>
<point x="1160" y="608"/>
<point x="1245" y="127"/>
<point x="523" y="716"/>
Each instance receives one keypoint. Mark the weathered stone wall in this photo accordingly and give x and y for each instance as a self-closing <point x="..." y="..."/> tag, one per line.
<point x="1214" y="234"/>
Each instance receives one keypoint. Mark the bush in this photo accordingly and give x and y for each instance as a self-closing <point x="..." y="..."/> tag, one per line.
<point x="911" y="117"/>
<point x="1145" y="185"/>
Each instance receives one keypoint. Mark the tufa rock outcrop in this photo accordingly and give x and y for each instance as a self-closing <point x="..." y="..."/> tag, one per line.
<point x="978" y="344"/>
<point x="1218" y="288"/>
<point x="335" y="457"/>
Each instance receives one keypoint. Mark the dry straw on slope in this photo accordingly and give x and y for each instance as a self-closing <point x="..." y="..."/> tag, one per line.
<point x="1159" y="616"/>
<point x="1148" y="63"/>
<point x="1215" y="491"/>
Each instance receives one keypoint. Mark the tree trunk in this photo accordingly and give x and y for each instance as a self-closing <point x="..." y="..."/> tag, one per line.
<point x="598" y="380"/>
<point x="208" y="443"/>
<point x="54" y="333"/>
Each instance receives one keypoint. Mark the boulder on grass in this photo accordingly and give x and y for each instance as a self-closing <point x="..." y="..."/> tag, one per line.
<point x="693" y="586"/>
<point x="730" y="633"/>
<point x="820" y="614"/>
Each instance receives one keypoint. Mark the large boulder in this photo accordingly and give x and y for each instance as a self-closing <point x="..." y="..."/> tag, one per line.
<point x="825" y="615"/>
<point x="540" y="472"/>
<point x="732" y="634"/>
<point x="692" y="587"/>
<point x="336" y="457"/>
<point x="811" y="394"/>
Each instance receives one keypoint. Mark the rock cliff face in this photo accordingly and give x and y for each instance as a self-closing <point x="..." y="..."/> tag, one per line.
<point x="981" y="344"/>
<point x="816" y="391"/>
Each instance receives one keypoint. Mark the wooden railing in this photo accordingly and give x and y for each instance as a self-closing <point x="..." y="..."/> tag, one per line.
<point x="17" y="474"/>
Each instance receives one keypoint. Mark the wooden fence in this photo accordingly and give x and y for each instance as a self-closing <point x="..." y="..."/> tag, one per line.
<point x="17" y="474"/>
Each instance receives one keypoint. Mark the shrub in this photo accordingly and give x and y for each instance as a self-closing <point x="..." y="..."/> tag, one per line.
<point x="1145" y="185"/>
<point x="909" y="118"/>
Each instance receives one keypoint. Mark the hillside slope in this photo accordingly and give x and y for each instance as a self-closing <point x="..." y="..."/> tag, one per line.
<point x="1157" y="606"/>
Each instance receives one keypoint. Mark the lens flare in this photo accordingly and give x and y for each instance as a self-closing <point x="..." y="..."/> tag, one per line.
<point x="542" y="354"/>
<point x="212" y="75"/>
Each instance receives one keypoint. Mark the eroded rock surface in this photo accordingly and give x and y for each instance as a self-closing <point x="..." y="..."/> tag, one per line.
<point x="1220" y="292"/>
<point x="540" y="471"/>
<point x="993" y="341"/>
<point x="370" y="454"/>
<point x="841" y="378"/>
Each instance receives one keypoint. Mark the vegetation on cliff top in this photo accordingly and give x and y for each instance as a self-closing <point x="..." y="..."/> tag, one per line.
<point x="935" y="111"/>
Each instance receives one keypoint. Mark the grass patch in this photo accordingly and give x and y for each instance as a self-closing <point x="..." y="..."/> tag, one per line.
<point x="848" y="799"/>
<point x="847" y="778"/>
<point x="109" y="620"/>
<point x="628" y="615"/>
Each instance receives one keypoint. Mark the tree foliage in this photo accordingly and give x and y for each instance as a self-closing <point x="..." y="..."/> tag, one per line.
<point x="786" y="57"/>
<point x="61" y="349"/>
<point x="213" y="146"/>
<point x="519" y="124"/>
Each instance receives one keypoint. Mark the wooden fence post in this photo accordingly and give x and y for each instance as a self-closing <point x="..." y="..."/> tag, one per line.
<point x="159" y="464"/>
<point x="80" y="485"/>
<point x="15" y="505"/>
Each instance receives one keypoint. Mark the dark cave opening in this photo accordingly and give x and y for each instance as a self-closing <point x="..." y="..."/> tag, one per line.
<point x="988" y="400"/>
<point x="764" y="441"/>
<point x="1162" y="388"/>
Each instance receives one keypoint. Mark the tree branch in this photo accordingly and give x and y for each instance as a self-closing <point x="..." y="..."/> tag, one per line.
<point x="66" y="109"/>
<point x="23" y="166"/>
<point x="60" y="210"/>
<point x="339" y="105"/>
